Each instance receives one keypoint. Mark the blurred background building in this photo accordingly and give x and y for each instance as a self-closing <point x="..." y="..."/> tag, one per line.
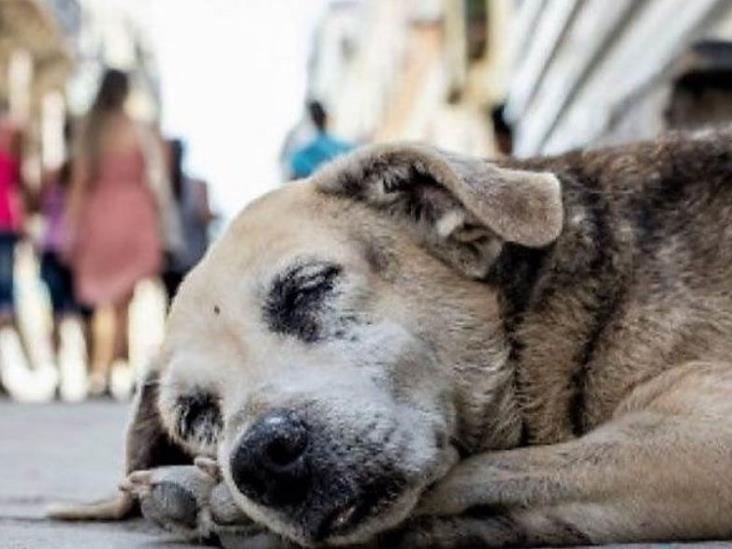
<point x="429" y="70"/>
<point x="52" y="55"/>
<point x="238" y="81"/>
<point x="593" y="71"/>
<point x="558" y="73"/>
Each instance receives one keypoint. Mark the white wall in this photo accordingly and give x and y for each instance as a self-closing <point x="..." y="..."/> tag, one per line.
<point x="576" y="62"/>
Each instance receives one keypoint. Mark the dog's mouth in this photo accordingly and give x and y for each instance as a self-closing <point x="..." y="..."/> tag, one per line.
<point x="346" y="518"/>
<point x="340" y="521"/>
<point x="322" y="488"/>
<point x="336" y="508"/>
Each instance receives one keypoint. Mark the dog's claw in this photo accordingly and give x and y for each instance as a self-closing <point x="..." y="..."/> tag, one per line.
<point x="137" y="483"/>
<point x="208" y="466"/>
<point x="140" y="477"/>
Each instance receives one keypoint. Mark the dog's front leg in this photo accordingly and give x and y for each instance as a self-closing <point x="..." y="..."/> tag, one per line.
<point x="658" y="470"/>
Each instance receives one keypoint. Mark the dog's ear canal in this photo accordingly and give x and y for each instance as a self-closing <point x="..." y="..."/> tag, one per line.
<point x="462" y="208"/>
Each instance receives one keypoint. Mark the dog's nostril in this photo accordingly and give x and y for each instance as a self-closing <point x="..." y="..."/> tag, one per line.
<point x="288" y="442"/>
<point x="282" y="452"/>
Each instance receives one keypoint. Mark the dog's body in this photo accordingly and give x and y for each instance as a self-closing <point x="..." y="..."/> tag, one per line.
<point x="638" y="283"/>
<point x="466" y="353"/>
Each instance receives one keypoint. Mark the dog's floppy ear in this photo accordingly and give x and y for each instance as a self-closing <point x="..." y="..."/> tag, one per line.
<point x="464" y="207"/>
<point x="147" y="445"/>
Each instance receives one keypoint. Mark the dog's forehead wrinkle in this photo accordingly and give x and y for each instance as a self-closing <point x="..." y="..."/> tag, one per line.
<point x="253" y="241"/>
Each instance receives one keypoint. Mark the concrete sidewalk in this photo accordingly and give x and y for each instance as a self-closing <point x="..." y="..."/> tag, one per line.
<point x="61" y="452"/>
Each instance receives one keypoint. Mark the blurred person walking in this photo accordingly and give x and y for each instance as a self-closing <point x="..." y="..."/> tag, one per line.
<point x="112" y="216"/>
<point x="70" y="323"/>
<point x="19" y="380"/>
<point x="322" y="148"/>
<point x="192" y="206"/>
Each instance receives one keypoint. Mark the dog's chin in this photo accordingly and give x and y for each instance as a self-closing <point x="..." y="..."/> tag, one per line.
<point x="350" y="502"/>
<point x="363" y="518"/>
<point x="353" y="522"/>
<point x="357" y="523"/>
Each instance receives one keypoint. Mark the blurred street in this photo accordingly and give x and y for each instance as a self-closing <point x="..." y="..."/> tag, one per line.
<point x="56" y="452"/>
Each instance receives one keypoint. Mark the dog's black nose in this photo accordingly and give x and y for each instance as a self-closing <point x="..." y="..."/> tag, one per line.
<point x="270" y="464"/>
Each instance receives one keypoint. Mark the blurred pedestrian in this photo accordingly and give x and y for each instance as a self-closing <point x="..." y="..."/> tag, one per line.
<point x="322" y="148"/>
<point x="112" y="216"/>
<point x="502" y="130"/>
<point x="22" y="382"/>
<point x="11" y="215"/>
<point x="70" y="323"/>
<point x="192" y="206"/>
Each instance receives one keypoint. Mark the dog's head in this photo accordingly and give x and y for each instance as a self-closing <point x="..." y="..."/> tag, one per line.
<point x="337" y="349"/>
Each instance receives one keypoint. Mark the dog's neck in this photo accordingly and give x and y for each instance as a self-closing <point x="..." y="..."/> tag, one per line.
<point x="548" y="359"/>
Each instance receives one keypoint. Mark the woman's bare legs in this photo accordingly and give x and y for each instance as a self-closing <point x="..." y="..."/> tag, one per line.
<point x="121" y="329"/>
<point x="17" y="377"/>
<point x="102" y="349"/>
<point x="122" y="378"/>
<point x="110" y="348"/>
<point x="71" y="346"/>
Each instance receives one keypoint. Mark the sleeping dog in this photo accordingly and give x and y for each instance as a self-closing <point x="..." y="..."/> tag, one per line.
<point x="414" y="348"/>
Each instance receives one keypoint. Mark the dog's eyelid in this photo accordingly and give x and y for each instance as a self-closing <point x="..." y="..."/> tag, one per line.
<point x="304" y="278"/>
<point x="313" y="271"/>
<point x="298" y="296"/>
<point x="323" y="275"/>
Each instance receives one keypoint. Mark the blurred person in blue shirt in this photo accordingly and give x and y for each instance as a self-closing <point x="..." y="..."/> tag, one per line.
<point x="322" y="148"/>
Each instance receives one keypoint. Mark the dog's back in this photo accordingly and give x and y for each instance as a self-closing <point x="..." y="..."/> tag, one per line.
<point x="643" y="270"/>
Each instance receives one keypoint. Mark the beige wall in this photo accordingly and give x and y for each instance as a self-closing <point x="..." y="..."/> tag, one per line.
<point x="408" y="60"/>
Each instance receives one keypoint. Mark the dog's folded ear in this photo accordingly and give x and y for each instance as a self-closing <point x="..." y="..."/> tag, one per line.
<point x="147" y="445"/>
<point x="464" y="207"/>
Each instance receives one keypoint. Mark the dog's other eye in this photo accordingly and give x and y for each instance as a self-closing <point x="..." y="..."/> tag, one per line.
<point x="198" y="417"/>
<point x="296" y="298"/>
<point x="312" y="281"/>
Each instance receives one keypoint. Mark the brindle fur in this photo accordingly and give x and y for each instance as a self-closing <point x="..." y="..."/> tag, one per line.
<point x="581" y="331"/>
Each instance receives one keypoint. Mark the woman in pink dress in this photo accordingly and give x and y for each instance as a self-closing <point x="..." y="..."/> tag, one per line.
<point x="112" y="213"/>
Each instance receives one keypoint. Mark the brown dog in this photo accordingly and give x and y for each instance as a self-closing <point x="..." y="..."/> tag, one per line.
<point x="425" y="349"/>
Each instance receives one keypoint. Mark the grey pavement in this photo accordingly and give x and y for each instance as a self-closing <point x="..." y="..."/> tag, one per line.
<point x="62" y="453"/>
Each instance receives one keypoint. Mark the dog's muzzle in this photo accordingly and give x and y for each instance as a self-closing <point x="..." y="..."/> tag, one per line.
<point x="320" y="481"/>
<point x="271" y="462"/>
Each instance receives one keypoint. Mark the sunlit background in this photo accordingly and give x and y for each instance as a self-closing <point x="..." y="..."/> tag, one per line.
<point x="235" y="79"/>
<point x="233" y="76"/>
<point x="229" y="76"/>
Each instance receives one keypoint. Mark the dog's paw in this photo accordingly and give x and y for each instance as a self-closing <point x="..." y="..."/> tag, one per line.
<point x="190" y="501"/>
<point x="175" y="498"/>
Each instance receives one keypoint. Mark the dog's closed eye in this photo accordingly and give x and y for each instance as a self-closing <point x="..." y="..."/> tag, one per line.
<point x="296" y="298"/>
<point x="198" y="418"/>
